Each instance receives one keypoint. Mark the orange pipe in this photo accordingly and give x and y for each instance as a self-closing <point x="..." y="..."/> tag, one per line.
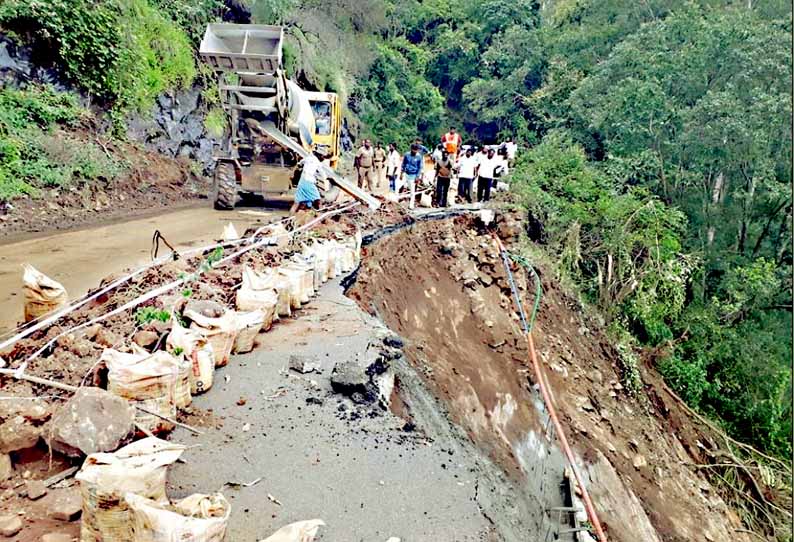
<point x="588" y="503"/>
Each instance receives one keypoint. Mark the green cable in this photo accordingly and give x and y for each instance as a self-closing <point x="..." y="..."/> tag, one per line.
<point x="538" y="289"/>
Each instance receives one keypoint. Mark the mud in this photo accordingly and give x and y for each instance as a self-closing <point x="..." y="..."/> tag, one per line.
<point x="153" y="182"/>
<point x="441" y="286"/>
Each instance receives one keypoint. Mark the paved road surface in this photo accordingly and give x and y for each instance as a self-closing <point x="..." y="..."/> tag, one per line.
<point x="367" y="479"/>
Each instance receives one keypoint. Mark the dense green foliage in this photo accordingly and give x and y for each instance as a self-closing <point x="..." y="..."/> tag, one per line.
<point x="34" y="154"/>
<point x="120" y="53"/>
<point x="123" y="52"/>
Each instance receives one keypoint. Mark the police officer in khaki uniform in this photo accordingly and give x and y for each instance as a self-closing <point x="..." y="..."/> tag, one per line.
<point x="379" y="160"/>
<point x="364" y="162"/>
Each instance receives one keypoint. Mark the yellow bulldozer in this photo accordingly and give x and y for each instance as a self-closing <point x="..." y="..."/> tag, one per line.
<point x="272" y="122"/>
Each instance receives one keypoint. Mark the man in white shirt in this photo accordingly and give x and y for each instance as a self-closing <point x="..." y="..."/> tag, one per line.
<point x="511" y="148"/>
<point x="467" y="170"/>
<point x="487" y="171"/>
<point x="393" y="162"/>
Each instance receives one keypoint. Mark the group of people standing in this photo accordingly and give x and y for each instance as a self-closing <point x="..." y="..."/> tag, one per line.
<point x="450" y="160"/>
<point x="375" y="165"/>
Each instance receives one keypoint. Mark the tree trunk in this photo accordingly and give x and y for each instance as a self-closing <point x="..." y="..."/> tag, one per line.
<point x="717" y="196"/>
<point x="747" y="208"/>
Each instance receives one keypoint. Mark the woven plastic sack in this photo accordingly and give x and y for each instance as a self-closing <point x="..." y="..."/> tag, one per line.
<point x="270" y="279"/>
<point x="145" y="380"/>
<point x="294" y="284"/>
<point x="426" y="200"/>
<point x="42" y="294"/>
<point x="105" y="478"/>
<point x="197" y="518"/>
<point x="318" y="254"/>
<point x="303" y="279"/>
<point x="197" y="352"/>
<point x="230" y="232"/>
<point x="251" y="323"/>
<point x="300" y="531"/>
<point x="306" y="270"/>
<point x="182" y="396"/>
<point x="220" y="332"/>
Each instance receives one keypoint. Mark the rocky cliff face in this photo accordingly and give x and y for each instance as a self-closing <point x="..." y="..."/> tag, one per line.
<point x="174" y="127"/>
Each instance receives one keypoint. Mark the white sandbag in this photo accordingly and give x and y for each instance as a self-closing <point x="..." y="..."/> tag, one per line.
<point x="220" y="332"/>
<point x="348" y="259"/>
<point x="230" y="232"/>
<point x="197" y="351"/>
<point x="105" y="478"/>
<point x="197" y="518"/>
<point x="42" y="294"/>
<point x="318" y="253"/>
<point x="146" y="380"/>
<point x="270" y="279"/>
<point x="426" y="200"/>
<point x="294" y="285"/>
<point x="300" y="531"/>
<point x="307" y="266"/>
<point x="251" y="324"/>
<point x="182" y="396"/>
<point x="502" y="187"/>
<point x="248" y="300"/>
<point x="305" y="278"/>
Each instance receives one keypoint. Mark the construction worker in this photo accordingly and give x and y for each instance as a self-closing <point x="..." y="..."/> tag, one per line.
<point x="467" y="171"/>
<point x="307" y="196"/>
<point x="393" y="160"/>
<point x="444" y="168"/>
<point x="363" y="163"/>
<point x="379" y="166"/>
<point x="451" y="141"/>
<point x="411" y="170"/>
<point x="422" y="149"/>
<point x="487" y="172"/>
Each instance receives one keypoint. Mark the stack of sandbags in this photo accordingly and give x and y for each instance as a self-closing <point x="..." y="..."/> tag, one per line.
<point x="42" y="294"/>
<point x="220" y="332"/>
<point x="106" y="478"/>
<point x="145" y="380"/>
<point x="197" y="518"/>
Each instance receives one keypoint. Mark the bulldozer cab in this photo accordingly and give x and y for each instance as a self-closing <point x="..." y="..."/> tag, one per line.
<point x="327" y="123"/>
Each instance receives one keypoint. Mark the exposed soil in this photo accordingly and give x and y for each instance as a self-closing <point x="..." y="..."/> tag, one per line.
<point x="441" y="285"/>
<point x="152" y="182"/>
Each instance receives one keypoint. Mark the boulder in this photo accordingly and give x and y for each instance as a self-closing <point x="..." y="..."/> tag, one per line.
<point x="145" y="338"/>
<point x="33" y="410"/>
<point x="18" y="434"/>
<point x="304" y="364"/>
<point x="10" y="525"/>
<point x="210" y="309"/>
<point x="67" y="506"/>
<point x="35" y="489"/>
<point x="364" y="379"/>
<point x="93" y="420"/>
<point x="107" y="338"/>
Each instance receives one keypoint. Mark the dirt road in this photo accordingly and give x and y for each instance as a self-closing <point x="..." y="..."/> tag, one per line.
<point x="80" y="259"/>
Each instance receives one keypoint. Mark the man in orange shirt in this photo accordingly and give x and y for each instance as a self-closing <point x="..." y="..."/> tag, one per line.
<point x="451" y="141"/>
